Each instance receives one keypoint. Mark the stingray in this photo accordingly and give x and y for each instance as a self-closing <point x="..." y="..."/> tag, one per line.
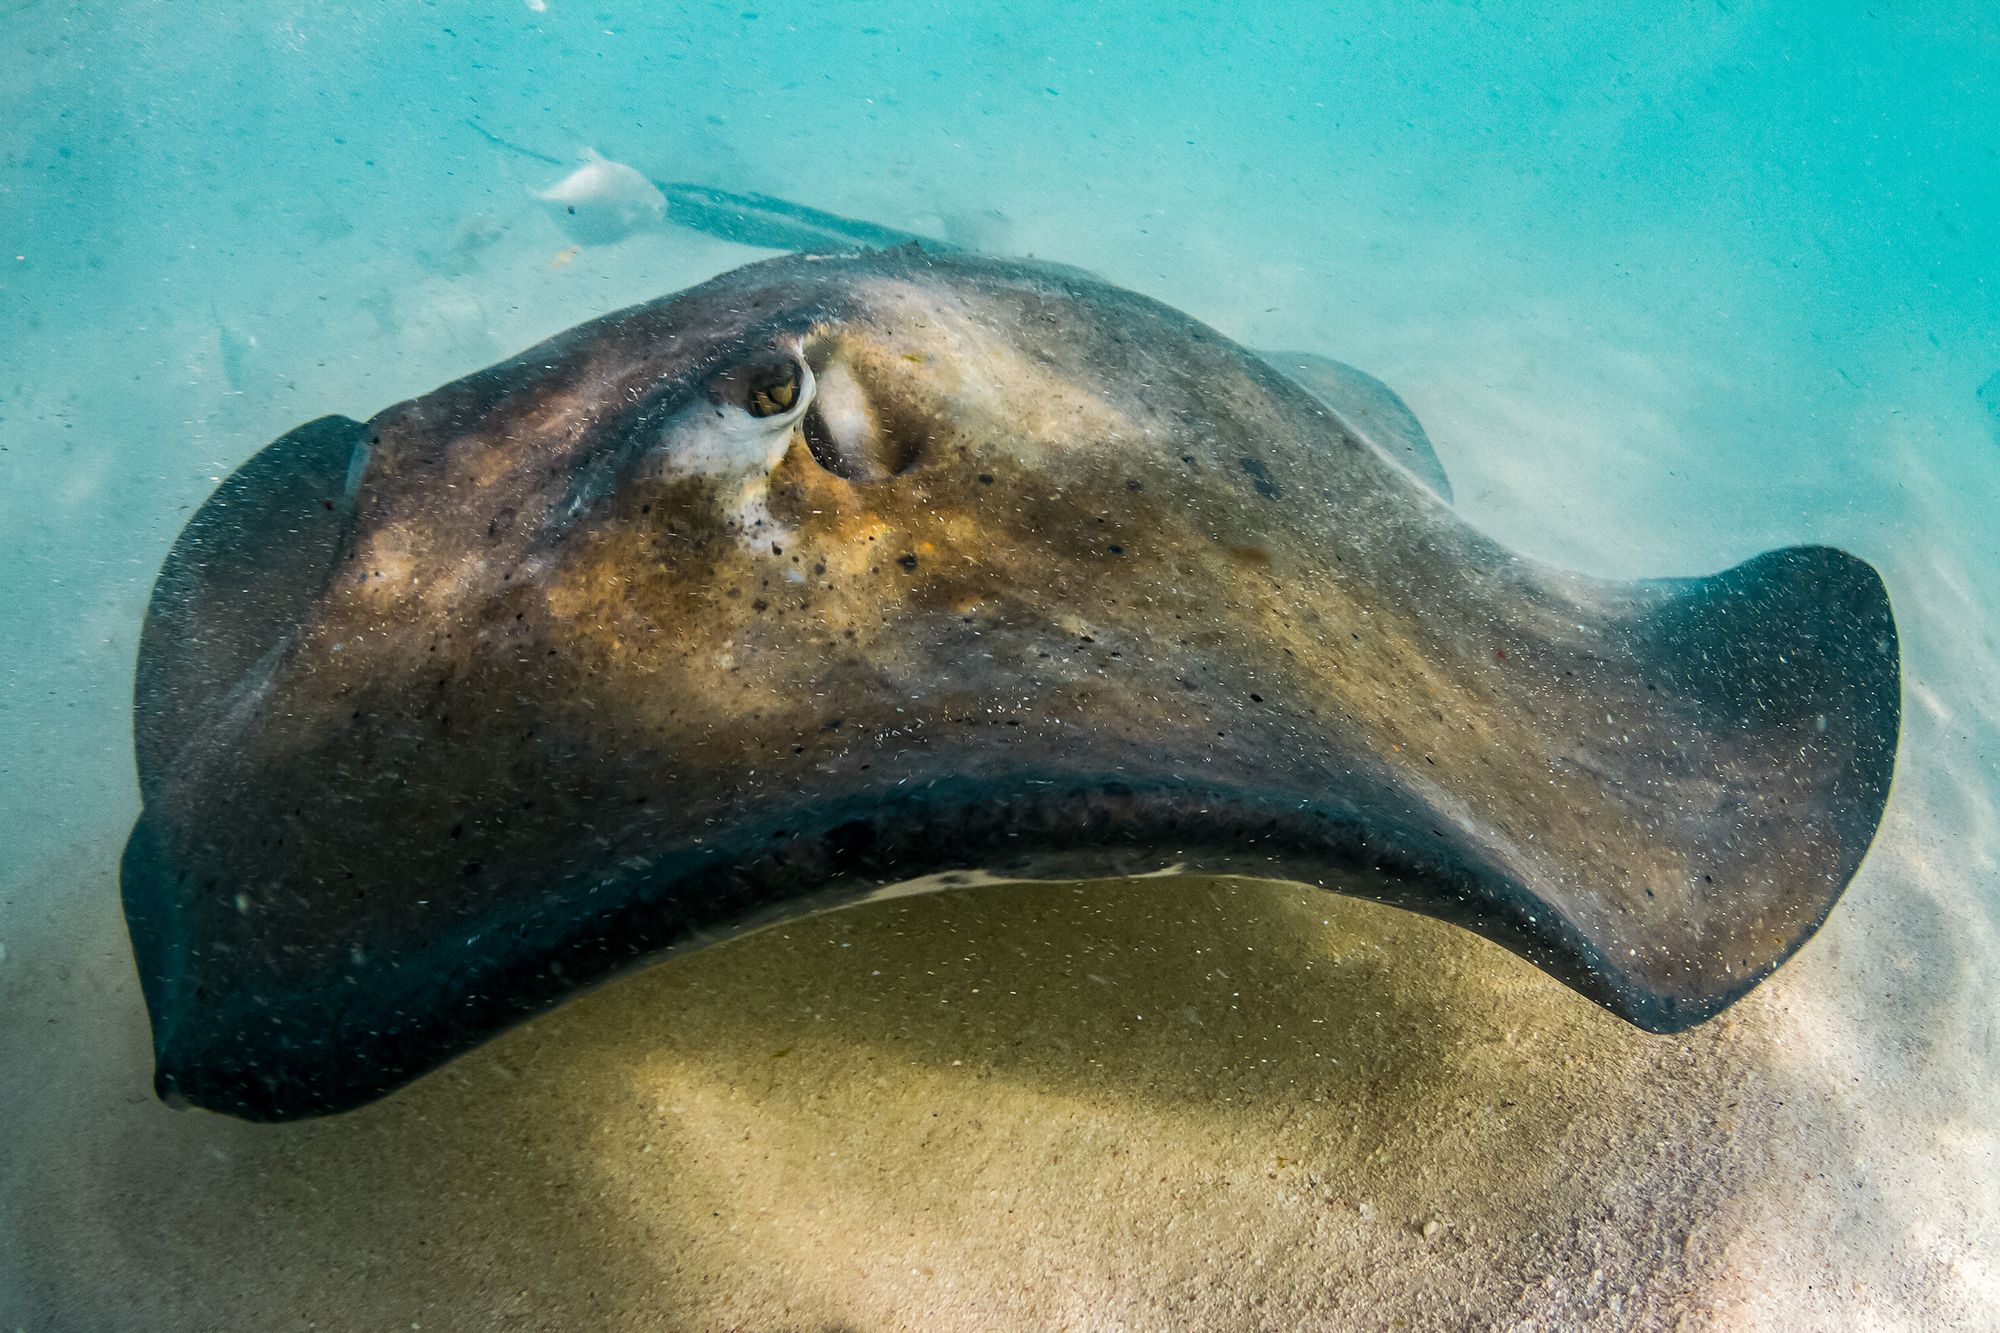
<point x="760" y="220"/>
<point x="603" y="201"/>
<point x="851" y="574"/>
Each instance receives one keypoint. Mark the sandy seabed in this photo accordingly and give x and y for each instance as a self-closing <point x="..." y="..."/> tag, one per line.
<point x="1141" y="1104"/>
<point x="1148" y="1104"/>
<point x="1120" y="1105"/>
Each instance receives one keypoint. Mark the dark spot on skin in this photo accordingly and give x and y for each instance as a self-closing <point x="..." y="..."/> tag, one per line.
<point x="1251" y="555"/>
<point x="1135" y="485"/>
<point x="986" y="479"/>
<point x="907" y="561"/>
<point x="1260" y="476"/>
<point x="1499" y="654"/>
<point x="1115" y="549"/>
<point x="759" y="605"/>
<point x="1256" y="698"/>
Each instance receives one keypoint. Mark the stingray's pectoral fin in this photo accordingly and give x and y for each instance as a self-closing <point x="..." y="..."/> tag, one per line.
<point x="1374" y="412"/>
<point x="245" y="571"/>
<point x="1713" y="759"/>
<point x="240" y="581"/>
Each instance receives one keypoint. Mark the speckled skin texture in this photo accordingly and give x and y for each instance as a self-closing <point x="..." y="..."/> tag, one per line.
<point x="585" y="660"/>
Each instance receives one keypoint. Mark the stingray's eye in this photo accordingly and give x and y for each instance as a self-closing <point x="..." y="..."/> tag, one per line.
<point x="774" y="392"/>
<point x="771" y="386"/>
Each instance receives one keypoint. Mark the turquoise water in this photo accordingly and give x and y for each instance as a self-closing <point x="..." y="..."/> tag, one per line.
<point x="1666" y="289"/>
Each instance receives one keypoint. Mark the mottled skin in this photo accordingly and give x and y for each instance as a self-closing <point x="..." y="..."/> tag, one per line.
<point x="580" y="660"/>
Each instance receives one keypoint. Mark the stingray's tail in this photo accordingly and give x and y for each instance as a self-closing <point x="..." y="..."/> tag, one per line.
<point x="759" y="220"/>
<point x="778" y="224"/>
